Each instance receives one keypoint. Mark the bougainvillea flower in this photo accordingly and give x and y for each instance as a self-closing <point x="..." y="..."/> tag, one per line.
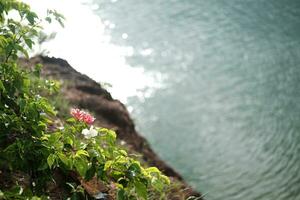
<point x="82" y="116"/>
<point x="89" y="133"/>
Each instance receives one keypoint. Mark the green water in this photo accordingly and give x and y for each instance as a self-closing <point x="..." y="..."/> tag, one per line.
<point x="228" y="114"/>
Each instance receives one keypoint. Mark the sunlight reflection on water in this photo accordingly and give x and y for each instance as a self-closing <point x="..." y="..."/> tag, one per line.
<point x="85" y="45"/>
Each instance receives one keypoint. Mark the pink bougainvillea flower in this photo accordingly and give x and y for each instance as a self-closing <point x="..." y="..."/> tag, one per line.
<point x="82" y="116"/>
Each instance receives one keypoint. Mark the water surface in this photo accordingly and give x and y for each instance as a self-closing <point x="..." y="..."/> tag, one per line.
<point x="227" y="116"/>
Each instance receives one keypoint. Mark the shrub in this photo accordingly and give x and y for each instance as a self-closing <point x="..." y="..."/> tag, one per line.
<point x="31" y="143"/>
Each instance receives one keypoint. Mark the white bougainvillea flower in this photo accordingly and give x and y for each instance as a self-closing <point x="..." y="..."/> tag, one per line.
<point x="89" y="133"/>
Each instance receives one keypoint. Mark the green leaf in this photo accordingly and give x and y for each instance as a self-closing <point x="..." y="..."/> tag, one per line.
<point x="81" y="166"/>
<point x="64" y="159"/>
<point x="29" y="42"/>
<point x="47" y="107"/>
<point x="121" y="195"/>
<point x="116" y="174"/>
<point x="90" y="172"/>
<point x="71" y="185"/>
<point x="108" y="165"/>
<point x="43" y="167"/>
<point x="12" y="27"/>
<point x="123" y="182"/>
<point x="17" y="190"/>
<point x="152" y="170"/>
<point x="26" y="85"/>
<point x="81" y="152"/>
<point x="51" y="159"/>
<point x="157" y="184"/>
<point x="165" y="179"/>
<point x="31" y="16"/>
<point x="42" y="125"/>
<point x="76" y="196"/>
<point x="22" y="104"/>
<point x="141" y="189"/>
<point x="3" y="41"/>
<point x="37" y="70"/>
<point x="109" y="135"/>
<point x="48" y="19"/>
<point x="20" y="48"/>
<point x="136" y="167"/>
<point x="58" y="145"/>
<point x="134" y="170"/>
<point x="68" y="140"/>
<point x="101" y="172"/>
<point x="71" y="120"/>
<point x="2" y="88"/>
<point x="54" y="137"/>
<point x="123" y="152"/>
<point x="61" y="22"/>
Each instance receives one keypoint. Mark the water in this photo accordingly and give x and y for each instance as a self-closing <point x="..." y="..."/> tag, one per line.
<point x="226" y="113"/>
<point x="227" y="116"/>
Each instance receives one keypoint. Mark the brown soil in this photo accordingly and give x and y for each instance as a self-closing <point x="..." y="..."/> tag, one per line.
<point x="85" y="93"/>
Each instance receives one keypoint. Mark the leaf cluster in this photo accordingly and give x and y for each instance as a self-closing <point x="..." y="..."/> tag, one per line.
<point x="29" y="141"/>
<point x="101" y="157"/>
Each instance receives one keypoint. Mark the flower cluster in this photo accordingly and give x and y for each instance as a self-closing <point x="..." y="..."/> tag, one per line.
<point x="82" y="116"/>
<point x="89" y="133"/>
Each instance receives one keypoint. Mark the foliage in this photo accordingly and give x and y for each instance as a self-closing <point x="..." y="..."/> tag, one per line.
<point x="28" y="141"/>
<point x="99" y="156"/>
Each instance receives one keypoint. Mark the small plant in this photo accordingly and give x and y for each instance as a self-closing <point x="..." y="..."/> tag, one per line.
<point x="32" y="144"/>
<point x="92" y="151"/>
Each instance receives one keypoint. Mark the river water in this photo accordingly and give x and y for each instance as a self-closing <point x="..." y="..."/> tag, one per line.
<point x="226" y="111"/>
